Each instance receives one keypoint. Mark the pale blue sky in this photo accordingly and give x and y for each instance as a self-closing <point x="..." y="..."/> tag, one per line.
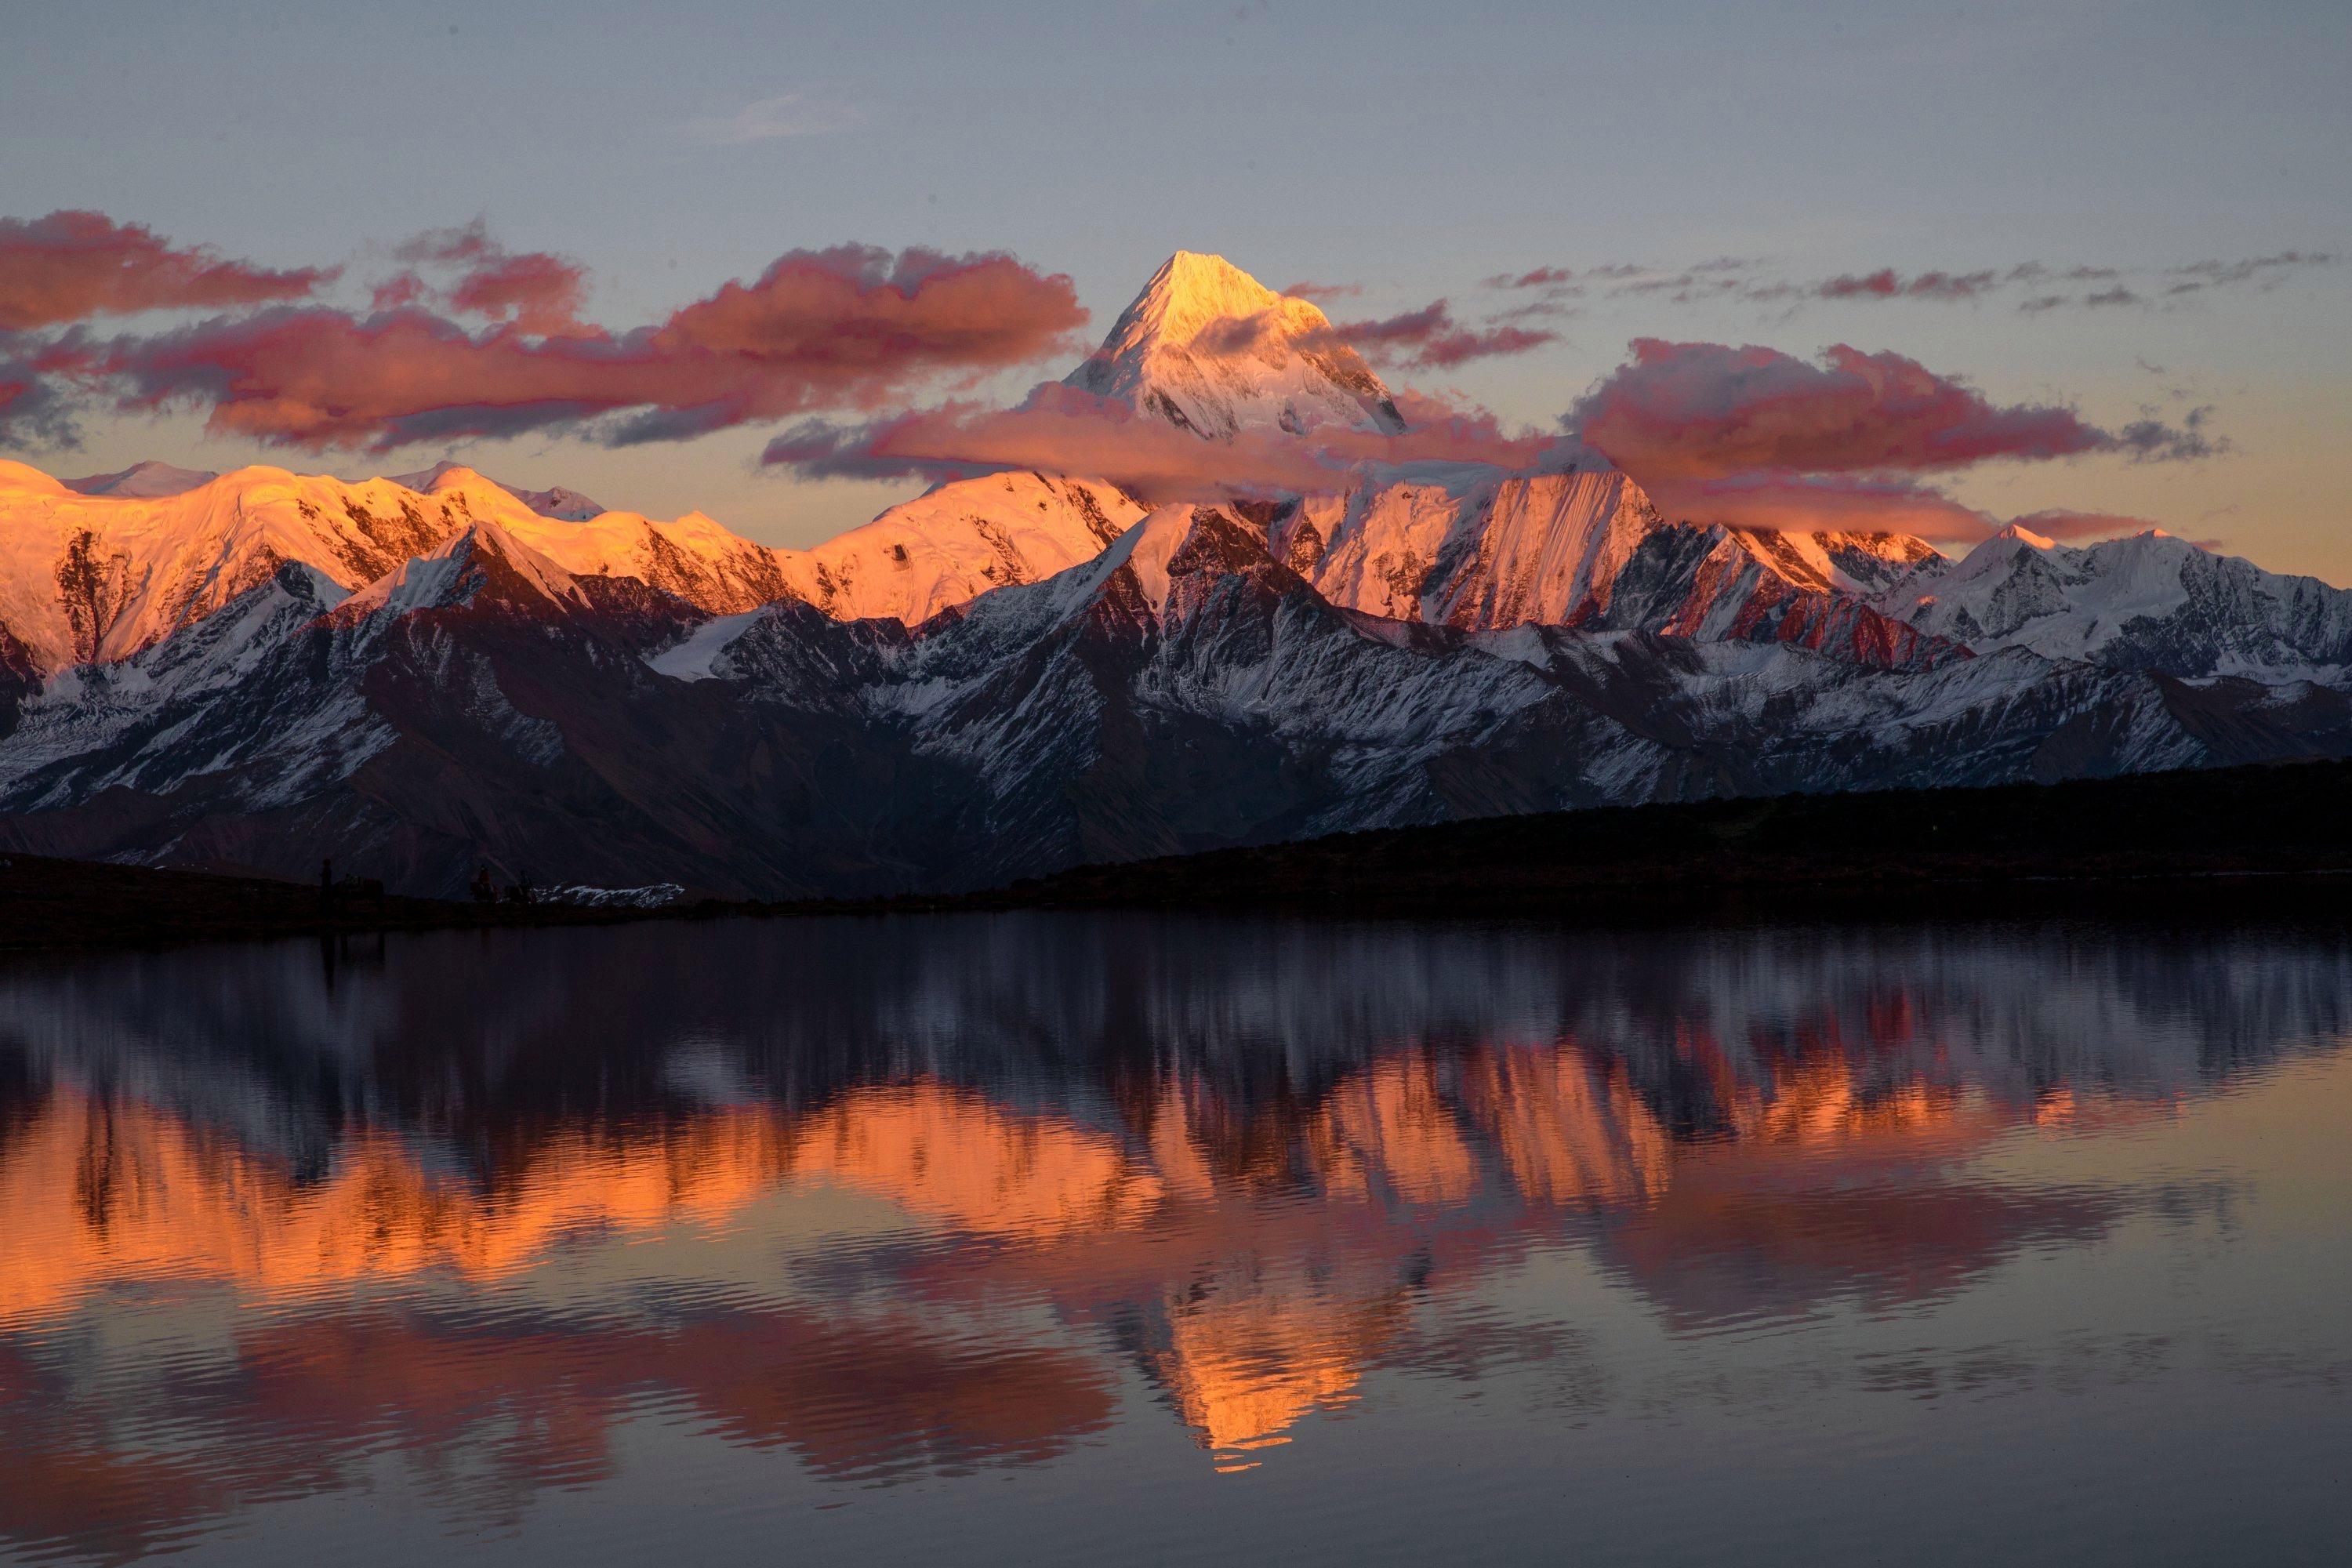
<point x="1412" y="149"/>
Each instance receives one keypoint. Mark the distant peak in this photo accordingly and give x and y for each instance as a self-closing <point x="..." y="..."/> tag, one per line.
<point x="2025" y="535"/>
<point x="562" y="504"/>
<point x="150" y="480"/>
<point x="440" y="476"/>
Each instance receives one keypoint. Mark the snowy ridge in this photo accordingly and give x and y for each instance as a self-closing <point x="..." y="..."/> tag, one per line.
<point x="2148" y="602"/>
<point x="1586" y="548"/>
<point x="956" y="541"/>
<point x="93" y="578"/>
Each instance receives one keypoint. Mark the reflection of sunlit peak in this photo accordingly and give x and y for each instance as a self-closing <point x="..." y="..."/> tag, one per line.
<point x="1390" y="1129"/>
<point x="1244" y="1364"/>
<point x="1567" y="1134"/>
<point x="1820" y="1104"/>
<point x="1176" y="1147"/>
<point x="950" y="1155"/>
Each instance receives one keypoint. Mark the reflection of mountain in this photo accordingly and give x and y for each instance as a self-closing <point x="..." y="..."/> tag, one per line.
<point x="1246" y="1158"/>
<point x="100" y="1194"/>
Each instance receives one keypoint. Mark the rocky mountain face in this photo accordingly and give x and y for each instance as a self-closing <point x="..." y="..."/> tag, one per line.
<point x="1014" y="674"/>
<point x="1587" y="549"/>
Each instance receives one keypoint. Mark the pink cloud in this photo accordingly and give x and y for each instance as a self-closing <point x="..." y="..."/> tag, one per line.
<point x="70" y="266"/>
<point x="850" y="327"/>
<point x="1060" y="429"/>
<point x="1540" y="278"/>
<point x="464" y="243"/>
<point x="1884" y="284"/>
<point x="31" y="412"/>
<point x="1431" y="339"/>
<point x="1708" y="410"/>
<point x="1793" y="503"/>
<point x="540" y="292"/>
<point x="400" y="288"/>
<point x="1320" y="291"/>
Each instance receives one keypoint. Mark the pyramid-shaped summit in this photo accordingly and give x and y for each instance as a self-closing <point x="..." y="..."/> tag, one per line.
<point x="1210" y="349"/>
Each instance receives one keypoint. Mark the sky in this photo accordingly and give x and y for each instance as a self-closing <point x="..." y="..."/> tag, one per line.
<point x="1399" y="152"/>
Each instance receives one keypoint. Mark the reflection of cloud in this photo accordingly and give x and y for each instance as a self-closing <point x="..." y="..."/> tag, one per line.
<point x="1716" y="1250"/>
<point x="853" y="1397"/>
<point x="534" y="1402"/>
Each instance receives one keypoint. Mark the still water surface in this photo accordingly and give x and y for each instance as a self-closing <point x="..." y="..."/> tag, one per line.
<point x="1040" y="1239"/>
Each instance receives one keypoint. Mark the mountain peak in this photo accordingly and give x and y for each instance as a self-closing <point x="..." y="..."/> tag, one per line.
<point x="562" y="504"/>
<point x="2025" y="535"/>
<point x="1192" y="289"/>
<point x="424" y="481"/>
<point x="1211" y="350"/>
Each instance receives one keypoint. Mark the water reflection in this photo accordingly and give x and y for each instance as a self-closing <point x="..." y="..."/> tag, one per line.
<point x="907" y="1197"/>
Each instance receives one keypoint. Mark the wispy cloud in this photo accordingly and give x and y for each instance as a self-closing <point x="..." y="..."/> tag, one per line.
<point x="773" y="120"/>
<point x="2036" y="286"/>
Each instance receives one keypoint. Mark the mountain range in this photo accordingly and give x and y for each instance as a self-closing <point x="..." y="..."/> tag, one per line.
<point x="1020" y="672"/>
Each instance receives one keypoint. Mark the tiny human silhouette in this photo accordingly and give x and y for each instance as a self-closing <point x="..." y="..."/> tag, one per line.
<point x="485" y="890"/>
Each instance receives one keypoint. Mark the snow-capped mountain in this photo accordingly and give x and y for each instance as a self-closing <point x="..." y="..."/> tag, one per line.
<point x="99" y="578"/>
<point x="1010" y="674"/>
<point x="102" y="577"/>
<point x="1184" y="689"/>
<point x="2148" y="602"/>
<point x="1210" y="349"/>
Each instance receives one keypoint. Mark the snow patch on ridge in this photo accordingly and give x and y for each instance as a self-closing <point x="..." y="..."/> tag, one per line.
<point x="697" y="658"/>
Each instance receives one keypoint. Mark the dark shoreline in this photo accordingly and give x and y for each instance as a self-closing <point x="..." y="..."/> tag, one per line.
<point x="2227" y="844"/>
